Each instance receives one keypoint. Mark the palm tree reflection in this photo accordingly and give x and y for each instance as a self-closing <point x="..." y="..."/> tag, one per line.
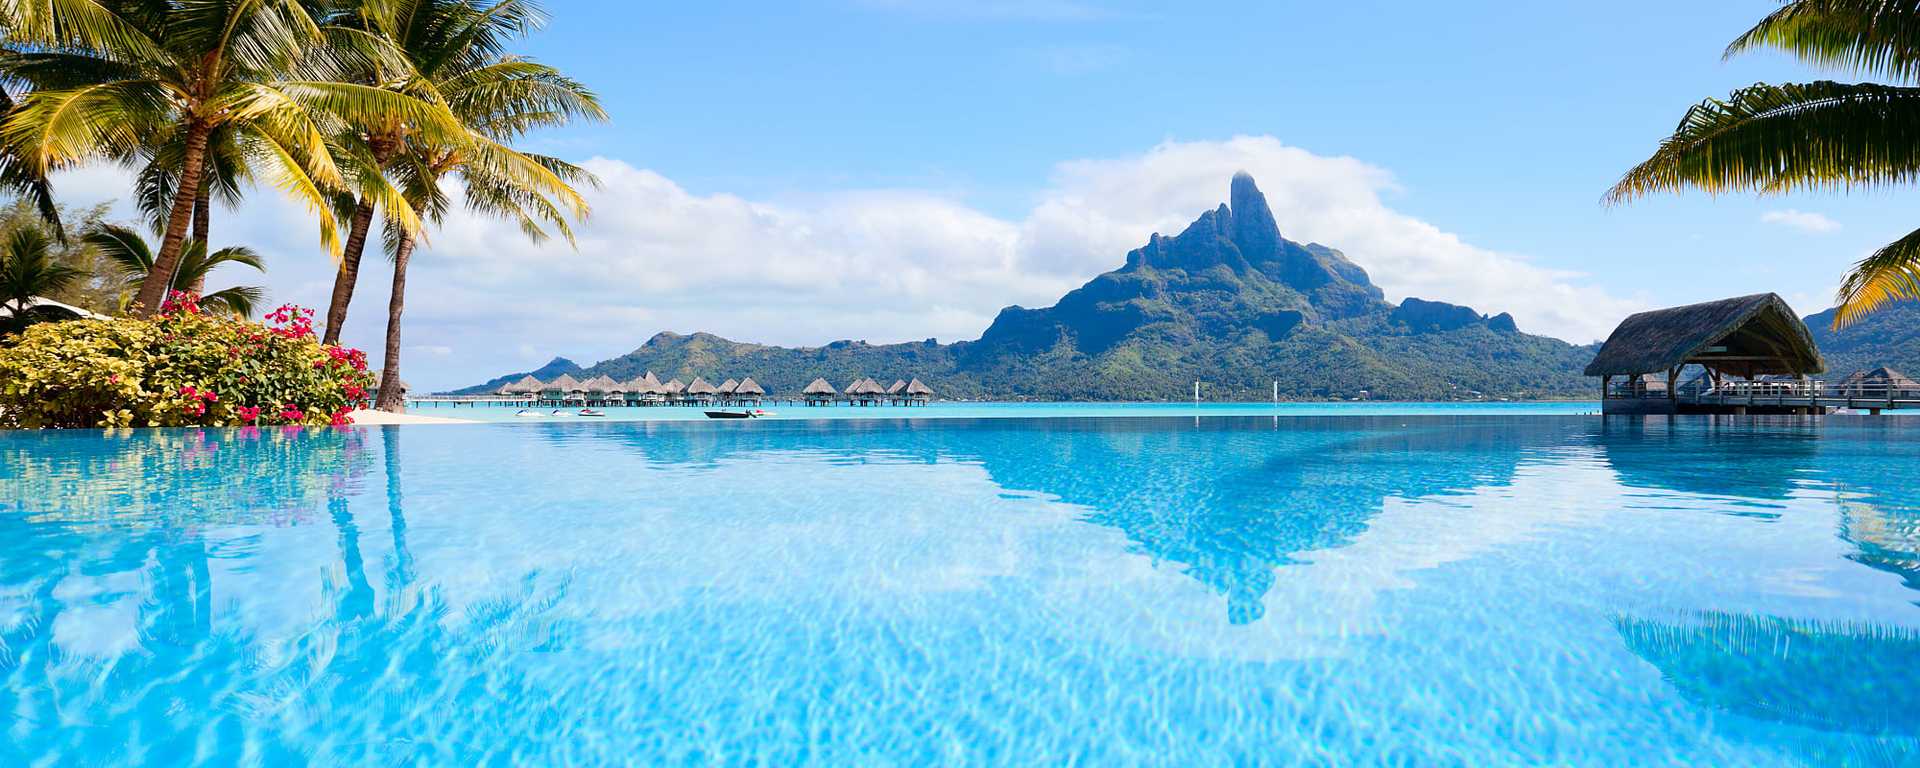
<point x="1853" y="678"/>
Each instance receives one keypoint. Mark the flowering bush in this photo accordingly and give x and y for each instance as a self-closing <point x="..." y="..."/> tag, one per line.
<point x="183" y="367"/>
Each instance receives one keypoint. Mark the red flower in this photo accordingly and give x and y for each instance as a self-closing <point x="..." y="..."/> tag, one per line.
<point x="248" y="413"/>
<point x="341" y="418"/>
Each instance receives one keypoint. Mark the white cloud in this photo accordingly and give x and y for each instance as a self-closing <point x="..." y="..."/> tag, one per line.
<point x="1801" y="220"/>
<point x="882" y="265"/>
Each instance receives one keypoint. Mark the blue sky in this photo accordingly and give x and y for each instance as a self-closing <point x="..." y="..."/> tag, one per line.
<point x="895" y="169"/>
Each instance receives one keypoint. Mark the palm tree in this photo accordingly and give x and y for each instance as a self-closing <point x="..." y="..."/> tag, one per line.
<point x="125" y="249"/>
<point x="457" y="48"/>
<point x="225" y="176"/>
<point x="110" y="76"/>
<point x="1774" y="139"/>
<point x="21" y="177"/>
<point x="28" y="269"/>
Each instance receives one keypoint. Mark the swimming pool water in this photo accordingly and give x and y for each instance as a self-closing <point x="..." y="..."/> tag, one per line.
<point x="1408" y="590"/>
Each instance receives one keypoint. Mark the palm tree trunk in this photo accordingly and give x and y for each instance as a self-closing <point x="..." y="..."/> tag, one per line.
<point x="202" y="220"/>
<point x="391" y="398"/>
<point x="349" y="273"/>
<point x="153" y="290"/>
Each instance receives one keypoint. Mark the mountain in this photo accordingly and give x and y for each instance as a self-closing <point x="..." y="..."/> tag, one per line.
<point x="1228" y="301"/>
<point x="552" y="370"/>
<point x="1889" y="337"/>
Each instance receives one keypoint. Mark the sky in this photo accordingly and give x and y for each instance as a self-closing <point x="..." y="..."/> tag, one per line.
<point x="797" y="173"/>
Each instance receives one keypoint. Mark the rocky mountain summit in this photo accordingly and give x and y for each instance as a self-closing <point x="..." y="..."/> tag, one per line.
<point x="1229" y="301"/>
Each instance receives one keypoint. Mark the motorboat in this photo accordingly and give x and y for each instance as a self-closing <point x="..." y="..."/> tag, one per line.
<point x="592" y="412"/>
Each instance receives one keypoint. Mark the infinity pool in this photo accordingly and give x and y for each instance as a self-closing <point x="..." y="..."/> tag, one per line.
<point x="1407" y="590"/>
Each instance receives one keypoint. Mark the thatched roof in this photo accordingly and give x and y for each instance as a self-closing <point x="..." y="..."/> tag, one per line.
<point x="899" y="385"/>
<point x="652" y="384"/>
<point x="1745" y="336"/>
<point x="566" y="383"/>
<point x="871" y="387"/>
<point x="640" y="386"/>
<point x="601" y="383"/>
<point x="854" y="387"/>
<point x="1880" y="377"/>
<point x="819" y="387"/>
<point x="526" y="384"/>
<point x="749" y="387"/>
<point x="673" y="387"/>
<point x="701" y="387"/>
<point x="379" y="376"/>
<point x="916" y="388"/>
<point x="727" y="387"/>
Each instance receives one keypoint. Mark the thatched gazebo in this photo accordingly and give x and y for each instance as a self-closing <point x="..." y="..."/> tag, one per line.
<point x="918" y="393"/>
<point x="749" y="392"/>
<point x="818" y="393"/>
<point x="700" y="392"/>
<point x="1880" y="382"/>
<point x="373" y="392"/>
<point x="1747" y="337"/>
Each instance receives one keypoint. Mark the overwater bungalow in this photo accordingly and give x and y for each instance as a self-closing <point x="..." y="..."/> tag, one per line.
<point x="646" y="390"/>
<point x="897" y="391"/>
<point x="818" y="393"/>
<point x="1880" y="382"/>
<point x="527" y="385"/>
<point x="1740" y="338"/>
<point x="563" y="388"/>
<point x="700" y="392"/>
<point x="865" y="392"/>
<point x="918" y="393"/>
<point x="749" y="392"/>
<point x="602" y="390"/>
<point x="724" y="392"/>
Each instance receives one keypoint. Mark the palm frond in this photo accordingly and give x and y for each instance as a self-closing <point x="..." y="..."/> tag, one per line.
<point x="1874" y="37"/>
<point x="122" y="247"/>
<point x="1890" y="274"/>
<point x="1774" y="139"/>
<point x="240" y="300"/>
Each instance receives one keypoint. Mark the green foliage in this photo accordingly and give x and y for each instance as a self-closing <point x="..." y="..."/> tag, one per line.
<point x="1775" y="139"/>
<point x="98" y="289"/>
<point x="125" y="250"/>
<point x="1889" y="337"/>
<point x="28" y="269"/>
<point x="184" y="367"/>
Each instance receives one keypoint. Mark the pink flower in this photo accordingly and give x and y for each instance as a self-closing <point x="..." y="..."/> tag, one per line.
<point x="248" y="413"/>
<point x="341" y="418"/>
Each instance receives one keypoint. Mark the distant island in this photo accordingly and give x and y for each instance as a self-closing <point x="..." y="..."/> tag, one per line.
<point x="1229" y="301"/>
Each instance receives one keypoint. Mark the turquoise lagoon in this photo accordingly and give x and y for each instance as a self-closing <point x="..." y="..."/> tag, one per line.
<point x="1468" y="588"/>
<point x="993" y="410"/>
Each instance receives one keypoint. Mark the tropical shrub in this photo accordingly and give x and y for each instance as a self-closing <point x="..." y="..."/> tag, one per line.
<point x="183" y="367"/>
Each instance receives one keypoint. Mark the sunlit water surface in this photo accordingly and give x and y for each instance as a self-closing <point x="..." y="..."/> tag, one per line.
<point x="1407" y="589"/>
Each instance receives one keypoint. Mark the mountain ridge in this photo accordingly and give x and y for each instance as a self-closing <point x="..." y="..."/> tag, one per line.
<point x="1229" y="300"/>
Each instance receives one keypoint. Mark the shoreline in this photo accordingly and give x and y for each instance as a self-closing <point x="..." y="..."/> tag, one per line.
<point x="369" y="417"/>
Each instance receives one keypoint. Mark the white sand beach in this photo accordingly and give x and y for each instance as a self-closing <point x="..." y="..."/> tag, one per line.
<point x="373" y="417"/>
